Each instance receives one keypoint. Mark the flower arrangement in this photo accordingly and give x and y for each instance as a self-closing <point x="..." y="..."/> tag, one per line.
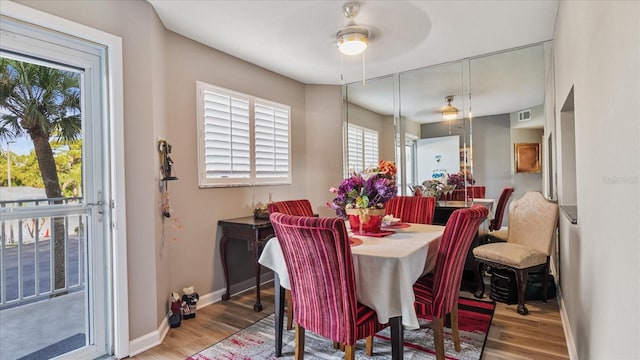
<point x="369" y="190"/>
<point x="456" y="179"/>
<point x="428" y="188"/>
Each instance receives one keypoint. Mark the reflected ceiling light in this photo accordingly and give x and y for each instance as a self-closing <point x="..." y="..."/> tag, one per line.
<point x="449" y="112"/>
<point x="353" y="39"/>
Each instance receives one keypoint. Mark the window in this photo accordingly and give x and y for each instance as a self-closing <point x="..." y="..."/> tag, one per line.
<point x="410" y="156"/>
<point x="242" y="140"/>
<point x="362" y="148"/>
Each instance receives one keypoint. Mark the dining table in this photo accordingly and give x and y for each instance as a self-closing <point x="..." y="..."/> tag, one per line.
<point x="385" y="268"/>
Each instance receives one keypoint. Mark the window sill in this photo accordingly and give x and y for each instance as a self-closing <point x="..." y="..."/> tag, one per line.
<point x="571" y="212"/>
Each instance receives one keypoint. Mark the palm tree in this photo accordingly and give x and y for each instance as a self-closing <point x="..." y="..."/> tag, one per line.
<point x="42" y="102"/>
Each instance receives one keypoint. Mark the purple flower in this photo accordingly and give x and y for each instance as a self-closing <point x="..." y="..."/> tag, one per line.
<point x="360" y="192"/>
<point x="456" y="179"/>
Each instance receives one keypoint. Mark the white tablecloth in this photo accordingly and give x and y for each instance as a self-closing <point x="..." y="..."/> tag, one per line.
<point x="385" y="269"/>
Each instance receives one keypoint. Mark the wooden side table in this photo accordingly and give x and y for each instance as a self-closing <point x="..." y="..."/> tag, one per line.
<point x="258" y="231"/>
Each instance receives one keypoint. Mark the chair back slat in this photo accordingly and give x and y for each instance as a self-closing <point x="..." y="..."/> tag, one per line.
<point x="496" y="222"/>
<point x="412" y="209"/>
<point x="459" y="232"/>
<point x="318" y="257"/>
<point x="300" y="207"/>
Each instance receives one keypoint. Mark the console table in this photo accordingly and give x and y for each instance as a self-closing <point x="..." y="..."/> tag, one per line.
<point x="258" y="232"/>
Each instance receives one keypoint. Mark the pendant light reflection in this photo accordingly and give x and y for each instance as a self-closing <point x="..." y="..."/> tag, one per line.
<point x="449" y="112"/>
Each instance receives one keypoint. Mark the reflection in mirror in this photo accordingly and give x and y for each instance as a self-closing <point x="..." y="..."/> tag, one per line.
<point x="435" y="142"/>
<point x="369" y="124"/>
<point x="507" y="94"/>
<point x="504" y="92"/>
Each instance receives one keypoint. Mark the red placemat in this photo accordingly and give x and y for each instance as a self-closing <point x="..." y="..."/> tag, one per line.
<point x="398" y="225"/>
<point x="379" y="234"/>
<point x="354" y="241"/>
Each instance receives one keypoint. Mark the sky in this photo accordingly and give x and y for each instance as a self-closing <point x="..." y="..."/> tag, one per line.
<point x="21" y="146"/>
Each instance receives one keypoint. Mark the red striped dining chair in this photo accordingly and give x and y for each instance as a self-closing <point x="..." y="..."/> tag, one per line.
<point x="412" y="209"/>
<point x="300" y="207"/>
<point x="495" y="225"/>
<point x="318" y="257"/>
<point x="437" y="292"/>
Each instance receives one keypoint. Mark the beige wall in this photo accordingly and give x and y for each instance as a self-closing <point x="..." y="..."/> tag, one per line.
<point x="193" y="252"/>
<point x="160" y="71"/>
<point x="323" y="144"/>
<point x="596" y="48"/>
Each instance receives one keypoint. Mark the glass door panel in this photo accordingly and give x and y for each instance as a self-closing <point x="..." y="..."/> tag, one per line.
<point x="53" y="256"/>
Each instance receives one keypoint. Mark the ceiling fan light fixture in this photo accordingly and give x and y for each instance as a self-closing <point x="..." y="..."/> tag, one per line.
<point x="352" y="40"/>
<point x="449" y="112"/>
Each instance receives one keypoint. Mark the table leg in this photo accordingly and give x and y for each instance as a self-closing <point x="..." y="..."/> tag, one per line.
<point x="397" y="338"/>
<point x="256" y="255"/>
<point x="223" y="256"/>
<point x="279" y="312"/>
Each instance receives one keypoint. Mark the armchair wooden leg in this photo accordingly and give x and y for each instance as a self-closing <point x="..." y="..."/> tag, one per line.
<point x="289" y="309"/>
<point x="299" y="352"/>
<point x="521" y="284"/>
<point x="479" y="280"/>
<point x="369" y="346"/>
<point x="350" y="352"/>
<point x="454" y="327"/>
<point x="438" y="337"/>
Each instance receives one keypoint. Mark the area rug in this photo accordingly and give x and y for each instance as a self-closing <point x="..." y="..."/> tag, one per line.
<point x="257" y="341"/>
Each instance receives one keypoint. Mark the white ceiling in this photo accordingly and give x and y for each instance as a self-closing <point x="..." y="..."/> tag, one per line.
<point x="297" y="38"/>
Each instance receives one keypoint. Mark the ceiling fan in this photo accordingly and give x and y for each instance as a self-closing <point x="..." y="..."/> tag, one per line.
<point x="447" y="112"/>
<point x="352" y="39"/>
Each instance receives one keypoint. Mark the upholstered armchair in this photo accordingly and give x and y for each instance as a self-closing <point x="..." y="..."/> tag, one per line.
<point x="323" y="286"/>
<point x="300" y="207"/>
<point x="437" y="292"/>
<point x="412" y="209"/>
<point x="532" y="229"/>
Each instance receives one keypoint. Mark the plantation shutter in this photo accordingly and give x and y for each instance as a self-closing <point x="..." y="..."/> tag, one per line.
<point x="355" y="148"/>
<point x="362" y="148"/>
<point x="272" y="140"/>
<point x="226" y="136"/>
<point x="242" y="140"/>
<point x="370" y="140"/>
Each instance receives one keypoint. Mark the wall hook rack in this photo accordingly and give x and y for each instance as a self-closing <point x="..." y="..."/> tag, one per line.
<point x="166" y="163"/>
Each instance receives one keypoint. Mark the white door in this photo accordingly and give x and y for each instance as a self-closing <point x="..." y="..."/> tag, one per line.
<point x="55" y="254"/>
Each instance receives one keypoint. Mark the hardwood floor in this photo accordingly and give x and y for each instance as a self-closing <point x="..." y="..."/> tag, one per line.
<point x="511" y="336"/>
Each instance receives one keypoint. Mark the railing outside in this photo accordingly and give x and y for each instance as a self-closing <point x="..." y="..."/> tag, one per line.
<point x="27" y="270"/>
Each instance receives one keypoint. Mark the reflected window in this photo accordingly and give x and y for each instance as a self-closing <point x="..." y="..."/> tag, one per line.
<point x="363" y="152"/>
<point x="410" y="151"/>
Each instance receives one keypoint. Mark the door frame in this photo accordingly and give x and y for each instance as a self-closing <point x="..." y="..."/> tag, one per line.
<point x="115" y="189"/>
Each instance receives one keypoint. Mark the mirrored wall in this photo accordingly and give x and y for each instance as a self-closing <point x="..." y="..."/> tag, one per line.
<point x="499" y="100"/>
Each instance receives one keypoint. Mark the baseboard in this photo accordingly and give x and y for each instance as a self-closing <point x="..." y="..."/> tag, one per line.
<point x="566" y="326"/>
<point x="155" y="338"/>
<point x="146" y="342"/>
<point x="210" y="298"/>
